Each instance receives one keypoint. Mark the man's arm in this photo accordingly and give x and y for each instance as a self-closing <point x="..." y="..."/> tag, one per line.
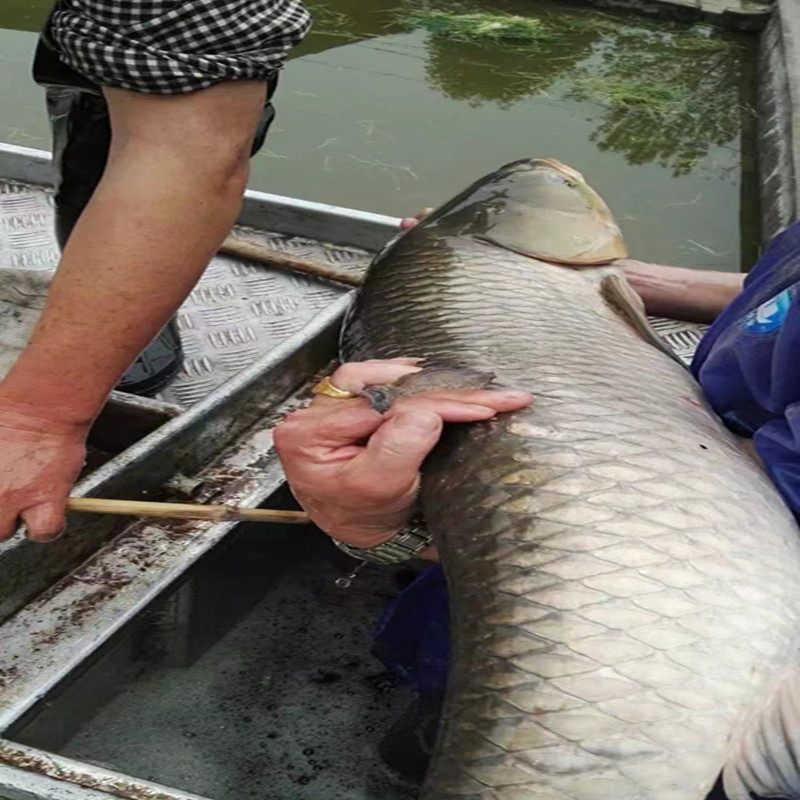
<point x="173" y="187"/>
<point x="679" y="293"/>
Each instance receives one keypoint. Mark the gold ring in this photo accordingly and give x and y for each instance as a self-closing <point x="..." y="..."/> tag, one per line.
<point x="329" y="390"/>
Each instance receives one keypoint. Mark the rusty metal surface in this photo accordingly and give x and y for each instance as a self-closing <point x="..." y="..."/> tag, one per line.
<point x="87" y="780"/>
<point x="63" y="626"/>
<point x="17" y="784"/>
<point x="60" y="629"/>
<point x="182" y="446"/>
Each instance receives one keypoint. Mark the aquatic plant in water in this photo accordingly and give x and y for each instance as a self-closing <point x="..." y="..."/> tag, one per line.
<point x="478" y="26"/>
<point x="659" y="97"/>
<point x="328" y="21"/>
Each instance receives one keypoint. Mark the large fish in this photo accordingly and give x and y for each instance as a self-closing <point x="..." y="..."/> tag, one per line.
<point x="624" y="578"/>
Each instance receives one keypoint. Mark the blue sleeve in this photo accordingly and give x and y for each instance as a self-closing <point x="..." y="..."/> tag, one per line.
<point x="777" y="269"/>
<point x="778" y="445"/>
<point x="747" y="363"/>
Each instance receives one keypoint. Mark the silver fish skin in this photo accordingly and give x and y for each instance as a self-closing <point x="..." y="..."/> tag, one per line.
<point x="624" y="579"/>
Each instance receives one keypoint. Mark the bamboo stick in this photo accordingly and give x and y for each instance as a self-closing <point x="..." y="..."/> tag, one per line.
<point x="244" y="248"/>
<point x="99" y="505"/>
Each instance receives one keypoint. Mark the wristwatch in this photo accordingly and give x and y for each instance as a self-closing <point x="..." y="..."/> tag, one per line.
<point x="403" y="546"/>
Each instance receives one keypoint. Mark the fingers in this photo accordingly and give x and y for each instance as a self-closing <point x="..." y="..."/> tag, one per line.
<point x="308" y="434"/>
<point x="8" y="523"/>
<point x="46" y="521"/>
<point x="445" y="401"/>
<point x="446" y="410"/>
<point x="400" y="360"/>
<point x="355" y="376"/>
<point x="396" y="451"/>
<point x="410" y="222"/>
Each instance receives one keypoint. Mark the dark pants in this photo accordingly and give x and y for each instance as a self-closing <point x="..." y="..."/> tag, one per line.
<point x="81" y="138"/>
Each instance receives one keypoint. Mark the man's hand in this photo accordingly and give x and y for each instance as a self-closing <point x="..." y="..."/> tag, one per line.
<point x="355" y="471"/>
<point x="39" y="461"/>
<point x="170" y="193"/>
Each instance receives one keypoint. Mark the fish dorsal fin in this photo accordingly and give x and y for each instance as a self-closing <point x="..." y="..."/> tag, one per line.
<point x="551" y="213"/>
<point x="621" y="297"/>
<point x="765" y="761"/>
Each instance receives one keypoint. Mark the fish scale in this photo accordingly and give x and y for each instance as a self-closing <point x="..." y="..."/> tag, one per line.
<point x="622" y="576"/>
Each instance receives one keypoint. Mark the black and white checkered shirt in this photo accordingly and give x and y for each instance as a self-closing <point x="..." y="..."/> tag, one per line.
<point x="173" y="46"/>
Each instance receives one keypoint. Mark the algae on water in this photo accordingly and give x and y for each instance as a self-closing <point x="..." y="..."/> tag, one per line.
<point x="659" y="97"/>
<point x="479" y="26"/>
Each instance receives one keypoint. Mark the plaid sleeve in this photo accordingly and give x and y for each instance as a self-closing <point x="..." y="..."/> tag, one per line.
<point x="174" y="46"/>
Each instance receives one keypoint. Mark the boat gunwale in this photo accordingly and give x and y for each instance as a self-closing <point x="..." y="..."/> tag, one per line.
<point x="333" y="224"/>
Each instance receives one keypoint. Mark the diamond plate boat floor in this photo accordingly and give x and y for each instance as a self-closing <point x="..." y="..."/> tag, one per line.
<point x="238" y="311"/>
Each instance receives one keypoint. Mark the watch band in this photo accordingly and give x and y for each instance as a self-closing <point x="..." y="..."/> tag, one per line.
<point x="403" y="546"/>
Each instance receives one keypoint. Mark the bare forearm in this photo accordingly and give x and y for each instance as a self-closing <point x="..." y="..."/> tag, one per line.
<point x="680" y="293"/>
<point x="171" y="191"/>
<point x="128" y="266"/>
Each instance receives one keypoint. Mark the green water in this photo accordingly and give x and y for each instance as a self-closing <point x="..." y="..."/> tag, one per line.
<point x="376" y="115"/>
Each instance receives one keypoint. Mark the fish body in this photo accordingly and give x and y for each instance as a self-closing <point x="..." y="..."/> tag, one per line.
<point x="623" y="578"/>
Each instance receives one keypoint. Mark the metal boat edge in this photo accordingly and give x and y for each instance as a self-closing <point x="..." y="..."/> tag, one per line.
<point x="334" y="224"/>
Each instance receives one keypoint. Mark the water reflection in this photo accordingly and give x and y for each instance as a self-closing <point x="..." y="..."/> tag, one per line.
<point x="505" y="75"/>
<point x="704" y="109"/>
<point x="667" y="94"/>
<point x="695" y="76"/>
<point x="374" y="116"/>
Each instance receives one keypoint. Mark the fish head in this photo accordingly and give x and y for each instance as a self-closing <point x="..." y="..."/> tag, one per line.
<point x="537" y="207"/>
